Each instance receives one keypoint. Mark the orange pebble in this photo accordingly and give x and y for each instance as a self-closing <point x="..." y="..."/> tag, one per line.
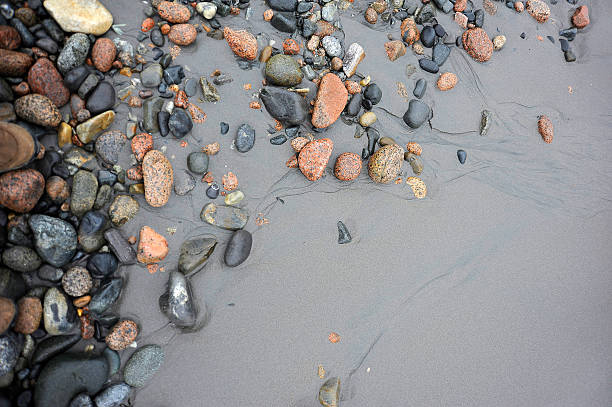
<point x="334" y="337"/>
<point x="153" y="268"/>
<point x="165" y="29"/>
<point x="268" y="14"/>
<point x="147" y="25"/>
<point x="255" y="105"/>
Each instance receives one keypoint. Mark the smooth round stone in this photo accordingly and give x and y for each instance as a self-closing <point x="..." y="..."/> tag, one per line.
<point x="245" y="138"/>
<point x="50" y="273"/>
<point x="183" y="182"/>
<point x="84" y="190"/>
<point x="52" y="346"/>
<point x="67" y="375"/>
<point x="151" y="76"/>
<point x="74" y="52"/>
<point x="106" y="296"/>
<point x="81" y="400"/>
<point x="332" y="46"/>
<point x="9" y="351"/>
<point x="102" y="265"/>
<point x="113" y="359"/>
<point x="440" y="54"/>
<point x="21" y="258"/>
<point x="234" y="198"/>
<point x="194" y="253"/>
<point x="284" y="22"/>
<point x="238" y="248"/>
<point x="180" y="123"/>
<point x="55" y="240"/>
<point x="367" y="119"/>
<point x="207" y="9"/>
<point x="354" y="105"/>
<point x="212" y="191"/>
<point x="109" y="144"/>
<point x="197" y="162"/>
<point x="101" y="99"/>
<point x="373" y="93"/>
<point x="386" y="163"/>
<point x="419" y="88"/>
<point x="461" y="156"/>
<point x="158" y="177"/>
<point x="77" y="281"/>
<point x="58" y="313"/>
<point x="428" y="65"/>
<point x="174" y="74"/>
<point x="157" y="38"/>
<point x="123" y="209"/>
<point x="225" y="217"/>
<point x="278" y="140"/>
<point x="142" y="365"/>
<point x="191" y="87"/>
<point x="283" y="70"/>
<point x="418" y="113"/>
<point x="177" y="302"/>
<point x="113" y="395"/>
<point x="91" y="231"/>
<point x="287" y="107"/>
<point x="428" y="36"/>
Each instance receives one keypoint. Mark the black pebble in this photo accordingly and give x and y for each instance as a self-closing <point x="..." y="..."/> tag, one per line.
<point x="523" y="35"/>
<point x="428" y="36"/>
<point x="440" y="31"/>
<point x="157" y="53"/>
<point x="564" y="44"/>
<point x="569" y="33"/>
<point x="428" y="65"/>
<point x="224" y="127"/>
<point x="570" y="56"/>
<point x="278" y="140"/>
<point x="419" y="88"/>
<point x="157" y="38"/>
<point x="238" y="248"/>
<point x="212" y="191"/>
<point x="162" y="121"/>
<point x="479" y="17"/>
<point x="373" y="93"/>
<point x="344" y="235"/>
<point x="461" y="155"/>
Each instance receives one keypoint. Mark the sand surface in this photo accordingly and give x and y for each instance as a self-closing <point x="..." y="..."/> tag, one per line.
<point x="492" y="291"/>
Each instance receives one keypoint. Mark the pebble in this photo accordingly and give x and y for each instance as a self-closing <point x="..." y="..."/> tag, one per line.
<point x="38" y="109"/>
<point x="288" y="107"/>
<point x="29" y="315"/>
<point x="101" y="265"/>
<point x="418" y="113"/>
<point x="352" y="57"/>
<point x="332" y="46"/>
<point x="234" y="198"/>
<point x="183" y="183"/>
<point x="209" y="92"/>
<point x="67" y="375"/>
<point x="419" y="189"/>
<point x="177" y="302"/>
<point x="409" y="31"/>
<point x="7" y="313"/>
<point x="87" y="131"/>
<point x="207" y="9"/>
<point x="9" y="351"/>
<point x="545" y="128"/>
<point x="122" y="334"/>
<point x="461" y="155"/>
<point x="440" y="53"/>
<point x="58" y="314"/>
<point x="82" y="400"/>
<point x="142" y="365"/>
<point x="44" y="79"/>
<point x="152" y="247"/>
<point x="102" y="98"/>
<point x="179" y="123"/>
<point x="278" y="140"/>
<point x="114" y="361"/>
<point x="74" y="52"/>
<point x="109" y="144"/>
<point x="354" y="105"/>
<point x="539" y="10"/>
<point x="213" y="191"/>
<point x="9" y="38"/>
<point x="313" y="158"/>
<point x="344" y="236"/>
<point x="141" y="144"/>
<point x="447" y="81"/>
<point x="194" y="253"/>
<point x="13" y="63"/>
<point x="477" y="44"/>
<point x="329" y="392"/>
<point x="158" y="177"/>
<point x="498" y="42"/>
<point x="367" y="119"/>
<point x="385" y="164"/>
<point x="103" y="54"/>
<point x="84" y="190"/>
<point x="225" y="217"/>
<point x="112" y="396"/>
<point x="330" y="101"/>
<point x="84" y="16"/>
<point x="569" y="33"/>
<point x="419" y="88"/>
<point x="415" y="163"/>
<point x="238" y="248"/>
<point x="151" y="76"/>
<point x="428" y="65"/>
<point x="11" y="284"/>
<point x="21" y="258"/>
<point x="88" y="85"/>
<point x="57" y="189"/>
<point x="106" y="296"/>
<point x="173" y="12"/>
<point x="197" y="162"/>
<point x="283" y="70"/>
<point x="569" y="56"/>
<point x="20" y="190"/>
<point x="485" y="122"/>
<point x="245" y="138"/>
<point x="182" y="34"/>
<point x="284" y="22"/>
<point x="347" y="167"/>
<point x="77" y="281"/>
<point x="55" y="240"/>
<point x="241" y="42"/>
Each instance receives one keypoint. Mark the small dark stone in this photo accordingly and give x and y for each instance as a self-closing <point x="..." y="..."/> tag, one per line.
<point x="428" y="36"/>
<point x="212" y="191"/>
<point x="81" y="400"/>
<point x="245" y="138"/>
<point x="344" y="235"/>
<point x="101" y="99"/>
<point x="120" y="247"/>
<point x="27" y="39"/>
<point x="373" y="137"/>
<point x="440" y="53"/>
<point x="52" y="346"/>
<point x="194" y="253"/>
<point x="191" y="87"/>
<point x="461" y="155"/>
<point x="564" y="44"/>
<point x="106" y="296"/>
<point x="354" y="105"/>
<point x="287" y="107"/>
<point x="292" y="132"/>
<point x="174" y="74"/>
<point x="74" y="78"/>
<point x="303" y="7"/>
<point x="180" y="123"/>
<point x="440" y="31"/>
<point x="197" y="162"/>
<point x="50" y="273"/>
<point x="570" y="56"/>
<point x="428" y="65"/>
<point x="163" y="118"/>
<point x="569" y="33"/>
<point x="417" y="113"/>
<point x="479" y="16"/>
<point x="157" y="37"/>
<point x="366" y="103"/>
<point x="9" y="351"/>
<point x="88" y="85"/>
<point x="238" y="248"/>
<point x="224" y="127"/>
<point x="177" y="302"/>
<point x="419" y="88"/>
<point x="278" y="140"/>
<point x="113" y="396"/>
<point x="54" y="30"/>
<point x="47" y="44"/>
<point x="284" y="22"/>
<point x="284" y="5"/>
<point x="102" y="265"/>
<point x="373" y="93"/>
<point x="157" y="53"/>
<point x="523" y="35"/>
<point x="165" y="61"/>
<point x="12" y="284"/>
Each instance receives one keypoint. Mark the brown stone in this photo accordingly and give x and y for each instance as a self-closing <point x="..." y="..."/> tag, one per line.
<point x="580" y="19"/>
<point x="122" y="335"/>
<point x="38" y="109"/>
<point x="545" y="128"/>
<point x="57" y="189"/>
<point x="141" y="144"/>
<point x="27" y="16"/>
<point x="313" y="158"/>
<point x="386" y="163"/>
<point x="324" y="29"/>
<point x="447" y="81"/>
<point x="7" y="313"/>
<point x="241" y="42"/>
<point x="173" y="12"/>
<point x="45" y="79"/>
<point x="348" y="166"/>
<point x="152" y="247"/>
<point x="298" y="143"/>
<point x="460" y="5"/>
<point x="395" y="49"/>
<point x="21" y="89"/>
<point x="489" y="7"/>
<point x="330" y="101"/>
<point x="103" y="54"/>
<point x="182" y="34"/>
<point x="371" y="16"/>
<point x="20" y="190"/>
<point x="478" y="44"/>
<point x="158" y="178"/>
<point x="9" y="37"/>
<point x="538" y="10"/>
<point x="29" y="315"/>
<point x="13" y="63"/>
<point x="410" y="32"/>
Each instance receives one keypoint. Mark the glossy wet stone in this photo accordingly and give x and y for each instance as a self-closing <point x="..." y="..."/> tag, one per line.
<point x="52" y="346"/>
<point x="113" y="395"/>
<point x="101" y="265"/>
<point x="106" y="296"/>
<point x="74" y="52"/>
<point x="55" y="240"/>
<point x="283" y="70"/>
<point x="225" y="217"/>
<point x="38" y="109"/>
<point x="180" y="123"/>
<point x="428" y="65"/>
<point x="418" y="113"/>
<point x="314" y="157"/>
<point x="245" y="138"/>
<point x="58" y="313"/>
<point x="89" y="129"/>
<point x="194" y="253"/>
<point x="101" y="99"/>
<point x="114" y="360"/>
<point x="20" y="190"/>
<point x="122" y="334"/>
<point x="238" y="248"/>
<point x="44" y="79"/>
<point x="287" y="107"/>
<point x="461" y="156"/>
<point x="177" y="302"/>
<point x="120" y="247"/>
<point x="143" y="364"/>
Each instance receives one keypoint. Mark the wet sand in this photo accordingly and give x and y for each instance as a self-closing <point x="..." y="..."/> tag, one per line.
<point x="494" y="290"/>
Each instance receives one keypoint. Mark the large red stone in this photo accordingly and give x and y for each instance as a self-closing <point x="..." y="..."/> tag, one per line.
<point x="478" y="44"/>
<point x="242" y="42"/>
<point x="173" y="12"/>
<point x="580" y="19"/>
<point x="44" y="79"/>
<point x="330" y="101"/>
<point x="20" y="190"/>
<point x="313" y="158"/>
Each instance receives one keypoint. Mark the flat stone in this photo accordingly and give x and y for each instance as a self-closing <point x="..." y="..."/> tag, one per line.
<point x="88" y="130"/>
<point x="142" y="365"/>
<point x="194" y="253"/>
<point x="245" y="138"/>
<point x="52" y="346"/>
<point x="288" y="107"/>
<point x="120" y="247"/>
<point x="225" y="217"/>
<point x="58" y="313"/>
<point x="418" y="113"/>
<point x="330" y="101"/>
<point x="283" y="70"/>
<point x="84" y="190"/>
<point x="158" y="178"/>
<point x="84" y="16"/>
<point x="74" y="52"/>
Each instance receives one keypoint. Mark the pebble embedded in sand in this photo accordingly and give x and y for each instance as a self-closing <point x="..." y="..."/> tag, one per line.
<point x="478" y="44"/>
<point x="386" y="163"/>
<point x="330" y="101"/>
<point x="313" y="158"/>
<point x="158" y="178"/>
<point x="538" y="10"/>
<point x="545" y="128"/>
<point x="152" y="247"/>
<point x="347" y="167"/>
<point x="447" y="81"/>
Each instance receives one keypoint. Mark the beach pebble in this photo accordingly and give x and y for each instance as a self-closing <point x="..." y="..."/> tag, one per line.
<point x="141" y="144"/>
<point x="177" y="302"/>
<point x="347" y="167"/>
<point x="241" y="42"/>
<point x="103" y="54"/>
<point x="197" y="162"/>
<point x="580" y="18"/>
<point x="313" y="158"/>
<point x="245" y="138"/>
<point x="409" y="31"/>
<point x="234" y="198"/>
<point x="151" y="76"/>
<point x="329" y="392"/>
<point x="238" y="248"/>
<point x="284" y="22"/>
<point x="367" y="119"/>
<point x="122" y="209"/>
<point x="440" y="53"/>
<point x="84" y="190"/>
<point x="7" y="313"/>
<point x="415" y="163"/>
<point x="44" y="79"/>
<point x="287" y="107"/>
<point x="180" y="123"/>
<point x="109" y="144"/>
<point x="58" y="313"/>
<point x="173" y="12"/>
<point x="207" y="9"/>
<point x="539" y="10"/>
<point x="213" y="191"/>
<point x="428" y="65"/>
<point x="498" y="42"/>
<point x="122" y="334"/>
<point x="183" y="182"/>
<point x="55" y="240"/>
<point x="419" y="189"/>
<point x="330" y="101"/>
<point x="13" y="285"/>
<point x="385" y="164"/>
<point x="89" y="17"/>
<point x="182" y="34"/>
<point x="87" y="131"/>
<point x="209" y="92"/>
<point x="101" y="265"/>
<point x="283" y="70"/>
<point x="9" y="38"/>
<point x="418" y="113"/>
<point x="9" y="351"/>
<point x="38" y="109"/>
<point x="344" y="236"/>
<point x="120" y="246"/>
<point x="194" y="253"/>
<point x="106" y="295"/>
<point x="113" y="395"/>
<point x="419" y="88"/>
<point x="101" y="99"/>
<point x="152" y="247"/>
<point x="158" y="178"/>
<point x="82" y="400"/>
<point x="29" y="315"/>
<point x="74" y="52"/>
<point x="225" y="217"/>
<point x="352" y="57"/>
<point x="20" y="190"/>
<point x="477" y="44"/>
<point x="21" y="258"/>
<point x="142" y="365"/>
<point x="13" y="63"/>
<point x="447" y="81"/>
<point x="545" y="128"/>
<point x="462" y="156"/>
<point x="77" y="281"/>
